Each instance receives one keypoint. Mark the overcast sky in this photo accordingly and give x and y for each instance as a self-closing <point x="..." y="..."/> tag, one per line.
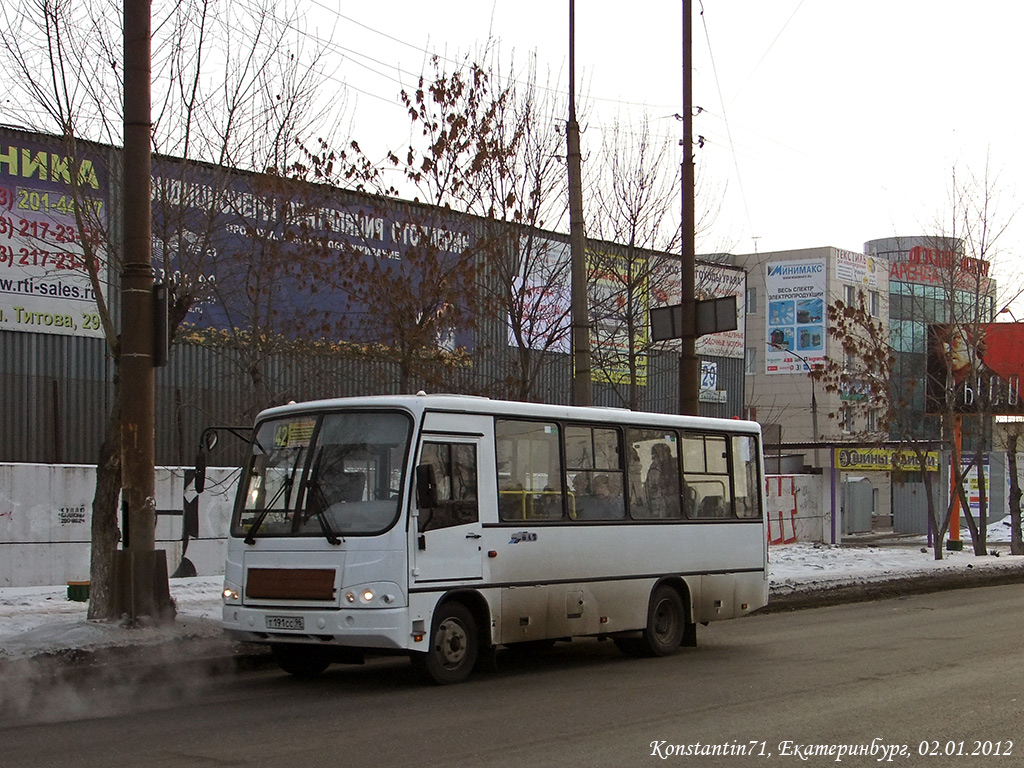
<point x="826" y="122"/>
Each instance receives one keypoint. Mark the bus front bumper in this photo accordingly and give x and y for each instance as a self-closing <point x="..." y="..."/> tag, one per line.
<point x="384" y="628"/>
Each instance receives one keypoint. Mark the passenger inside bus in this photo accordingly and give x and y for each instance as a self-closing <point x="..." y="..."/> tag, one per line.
<point x="601" y="503"/>
<point x="662" y="483"/>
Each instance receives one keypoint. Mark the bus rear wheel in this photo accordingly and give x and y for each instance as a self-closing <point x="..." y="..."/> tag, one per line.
<point x="666" y="624"/>
<point x="453" y="646"/>
<point x="302" y="661"/>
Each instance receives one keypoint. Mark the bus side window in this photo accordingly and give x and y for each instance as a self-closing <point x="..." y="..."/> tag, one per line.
<point x="595" y="473"/>
<point x="746" y="476"/>
<point x="653" y="459"/>
<point x="455" y="477"/>
<point x="706" y="477"/>
<point x="529" y="470"/>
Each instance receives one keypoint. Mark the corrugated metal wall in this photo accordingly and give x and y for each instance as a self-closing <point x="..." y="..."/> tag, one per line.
<point x="57" y="392"/>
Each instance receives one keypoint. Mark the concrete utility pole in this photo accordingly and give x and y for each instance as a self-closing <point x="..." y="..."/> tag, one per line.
<point x="141" y="570"/>
<point x="689" y="365"/>
<point x="582" y="389"/>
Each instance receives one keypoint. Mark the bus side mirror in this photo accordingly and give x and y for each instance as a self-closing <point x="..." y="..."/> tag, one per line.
<point x="200" y="481"/>
<point x="207" y="442"/>
<point x="426" y="486"/>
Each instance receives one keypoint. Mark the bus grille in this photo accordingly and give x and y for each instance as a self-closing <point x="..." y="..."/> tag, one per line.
<point x="290" y="583"/>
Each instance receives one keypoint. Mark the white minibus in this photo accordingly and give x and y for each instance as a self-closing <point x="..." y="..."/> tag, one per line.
<point x="446" y="526"/>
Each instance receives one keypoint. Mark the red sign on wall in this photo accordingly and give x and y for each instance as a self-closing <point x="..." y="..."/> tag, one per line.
<point x="976" y="369"/>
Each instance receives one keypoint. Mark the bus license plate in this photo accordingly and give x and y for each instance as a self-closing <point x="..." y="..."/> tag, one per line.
<point x="285" y="622"/>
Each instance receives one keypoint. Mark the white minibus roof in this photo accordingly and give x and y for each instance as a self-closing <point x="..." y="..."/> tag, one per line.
<point x="419" y="403"/>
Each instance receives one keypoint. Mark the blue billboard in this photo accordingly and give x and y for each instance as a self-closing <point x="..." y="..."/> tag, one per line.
<point x="300" y="261"/>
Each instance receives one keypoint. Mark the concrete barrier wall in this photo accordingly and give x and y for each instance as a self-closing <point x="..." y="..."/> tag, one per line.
<point x="796" y="510"/>
<point x="46" y="518"/>
<point x="46" y="514"/>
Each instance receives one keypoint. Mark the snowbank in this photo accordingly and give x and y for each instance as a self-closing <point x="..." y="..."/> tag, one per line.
<point x="41" y="620"/>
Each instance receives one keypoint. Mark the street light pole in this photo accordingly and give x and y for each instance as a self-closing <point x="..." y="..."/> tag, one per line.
<point x="141" y="569"/>
<point x="582" y="388"/>
<point x="689" y="365"/>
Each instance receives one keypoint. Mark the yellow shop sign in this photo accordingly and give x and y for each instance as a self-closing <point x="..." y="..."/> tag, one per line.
<point x="884" y="460"/>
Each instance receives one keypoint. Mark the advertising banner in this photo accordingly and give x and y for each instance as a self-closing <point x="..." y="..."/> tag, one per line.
<point x="856" y="268"/>
<point x="44" y="286"/>
<point x="972" y="485"/>
<point x="611" y="298"/>
<point x="979" y="367"/>
<point x="543" y="299"/>
<point x="544" y="284"/>
<point x="712" y="281"/>
<point x="883" y="460"/>
<point x="796" y="326"/>
<point x="307" y="262"/>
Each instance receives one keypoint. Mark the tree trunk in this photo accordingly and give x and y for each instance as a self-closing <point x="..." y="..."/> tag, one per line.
<point x="105" y="532"/>
<point x="981" y="540"/>
<point x="1016" y="545"/>
<point x="965" y="506"/>
<point x="938" y="530"/>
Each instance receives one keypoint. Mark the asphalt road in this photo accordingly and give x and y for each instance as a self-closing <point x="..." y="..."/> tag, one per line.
<point x="937" y="673"/>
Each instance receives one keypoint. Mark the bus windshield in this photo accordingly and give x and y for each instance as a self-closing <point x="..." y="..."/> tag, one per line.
<point x="332" y="474"/>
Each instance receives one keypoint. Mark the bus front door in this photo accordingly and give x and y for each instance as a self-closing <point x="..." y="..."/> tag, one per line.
<point x="448" y="535"/>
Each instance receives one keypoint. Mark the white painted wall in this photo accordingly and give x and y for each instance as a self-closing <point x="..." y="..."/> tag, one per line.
<point x="796" y="509"/>
<point x="46" y="514"/>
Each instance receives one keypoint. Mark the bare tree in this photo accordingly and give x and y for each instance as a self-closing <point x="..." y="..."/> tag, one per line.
<point x="951" y="291"/>
<point x="866" y="377"/>
<point x="479" y="144"/>
<point x="243" y="104"/>
<point x="977" y="224"/>
<point x="1016" y="540"/>
<point x="524" y="192"/>
<point x="636" y="191"/>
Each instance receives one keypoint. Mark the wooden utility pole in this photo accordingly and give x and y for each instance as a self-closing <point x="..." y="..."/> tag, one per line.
<point x="689" y="365"/>
<point x="141" y="570"/>
<point x="582" y="389"/>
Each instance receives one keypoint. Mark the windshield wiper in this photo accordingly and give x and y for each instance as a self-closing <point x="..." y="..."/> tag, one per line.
<point x="286" y="489"/>
<point x="313" y="484"/>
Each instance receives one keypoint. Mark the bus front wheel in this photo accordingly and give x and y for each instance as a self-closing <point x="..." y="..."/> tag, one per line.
<point x="453" y="646"/>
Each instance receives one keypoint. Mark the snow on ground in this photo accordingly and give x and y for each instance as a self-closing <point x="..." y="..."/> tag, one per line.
<point x="798" y="567"/>
<point x="40" y="620"/>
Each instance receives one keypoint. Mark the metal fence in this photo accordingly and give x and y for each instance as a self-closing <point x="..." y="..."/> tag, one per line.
<point x="58" y="391"/>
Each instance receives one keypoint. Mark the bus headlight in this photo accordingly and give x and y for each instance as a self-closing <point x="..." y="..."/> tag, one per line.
<point x="229" y="595"/>
<point x="372" y="595"/>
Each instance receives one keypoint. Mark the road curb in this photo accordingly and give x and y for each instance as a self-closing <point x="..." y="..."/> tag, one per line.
<point x="969" y="578"/>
